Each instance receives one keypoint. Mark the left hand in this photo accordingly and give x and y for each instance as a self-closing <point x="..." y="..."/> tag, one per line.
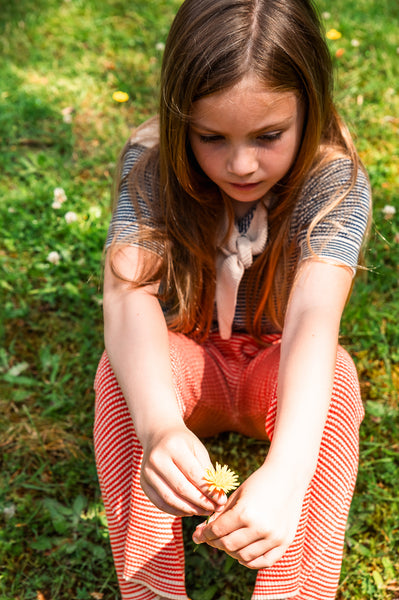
<point x="258" y="522"/>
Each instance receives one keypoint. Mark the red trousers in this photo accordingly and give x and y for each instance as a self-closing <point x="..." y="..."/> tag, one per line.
<point x="226" y="385"/>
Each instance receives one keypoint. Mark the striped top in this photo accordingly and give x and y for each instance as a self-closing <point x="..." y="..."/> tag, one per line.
<point x="337" y="237"/>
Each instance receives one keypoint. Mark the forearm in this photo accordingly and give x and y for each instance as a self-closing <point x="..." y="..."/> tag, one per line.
<point x="260" y="519"/>
<point x="307" y="365"/>
<point x="304" y="393"/>
<point x="136" y="340"/>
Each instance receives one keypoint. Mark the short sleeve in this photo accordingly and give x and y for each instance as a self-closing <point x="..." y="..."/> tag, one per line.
<point x="338" y="236"/>
<point x="125" y="225"/>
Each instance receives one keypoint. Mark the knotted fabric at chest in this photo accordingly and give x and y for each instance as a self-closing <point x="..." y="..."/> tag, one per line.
<point x="233" y="258"/>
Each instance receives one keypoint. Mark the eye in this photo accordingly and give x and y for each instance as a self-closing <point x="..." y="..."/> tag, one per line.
<point x="270" y="137"/>
<point x="210" y="139"/>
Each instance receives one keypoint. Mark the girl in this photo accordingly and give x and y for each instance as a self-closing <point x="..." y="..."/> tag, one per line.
<point x="230" y="257"/>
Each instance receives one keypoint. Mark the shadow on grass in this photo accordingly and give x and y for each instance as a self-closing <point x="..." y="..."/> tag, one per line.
<point x="28" y="123"/>
<point x="15" y="12"/>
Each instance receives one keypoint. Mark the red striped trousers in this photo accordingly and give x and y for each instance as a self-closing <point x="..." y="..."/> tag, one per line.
<point x="226" y="385"/>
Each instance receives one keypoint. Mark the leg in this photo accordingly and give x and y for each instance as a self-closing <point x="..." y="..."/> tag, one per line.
<point x="118" y="457"/>
<point x="310" y="568"/>
<point x="146" y="542"/>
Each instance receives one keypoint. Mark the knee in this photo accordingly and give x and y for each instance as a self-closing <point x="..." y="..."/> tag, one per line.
<point x="346" y="397"/>
<point x="105" y="376"/>
<point x="112" y="416"/>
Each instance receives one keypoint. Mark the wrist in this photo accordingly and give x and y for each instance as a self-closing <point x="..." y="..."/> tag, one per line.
<point x="296" y="468"/>
<point x="149" y="433"/>
<point x="153" y="411"/>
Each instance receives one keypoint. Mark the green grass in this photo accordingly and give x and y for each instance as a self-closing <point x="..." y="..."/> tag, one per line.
<point x="73" y="55"/>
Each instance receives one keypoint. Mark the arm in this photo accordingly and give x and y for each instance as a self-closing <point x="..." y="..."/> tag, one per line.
<point x="308" y="356"/>
<point x="136" y="339"/>
<point x="260" y="519"/>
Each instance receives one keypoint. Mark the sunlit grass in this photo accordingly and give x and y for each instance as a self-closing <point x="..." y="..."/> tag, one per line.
<point x="60" y="127"/>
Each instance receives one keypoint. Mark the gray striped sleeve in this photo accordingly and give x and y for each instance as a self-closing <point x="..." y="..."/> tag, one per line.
<point x="338" y="236"/>
<point x="124" y="226"/>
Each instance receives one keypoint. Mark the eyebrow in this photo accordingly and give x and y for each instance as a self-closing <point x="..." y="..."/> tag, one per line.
<point x="284" y="123"/>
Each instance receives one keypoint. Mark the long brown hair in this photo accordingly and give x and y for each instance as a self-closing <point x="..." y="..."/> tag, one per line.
<point x="211" y="46"/>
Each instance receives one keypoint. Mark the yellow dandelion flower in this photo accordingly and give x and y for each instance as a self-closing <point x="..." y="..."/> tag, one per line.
<point x="120" y="96"/>
<point x="221" y="479"/>
<point x="333" y="34"/>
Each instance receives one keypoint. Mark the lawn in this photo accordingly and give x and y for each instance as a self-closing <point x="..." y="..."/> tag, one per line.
<point x="61" y="129"/>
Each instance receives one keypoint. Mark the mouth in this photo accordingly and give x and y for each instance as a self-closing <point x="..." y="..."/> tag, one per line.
<point x="244" y="186"/>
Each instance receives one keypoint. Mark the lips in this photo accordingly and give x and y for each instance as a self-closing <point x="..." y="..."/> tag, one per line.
<point x="244" y="186"/>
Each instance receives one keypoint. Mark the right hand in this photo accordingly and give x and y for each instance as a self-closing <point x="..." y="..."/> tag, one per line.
<point x="172" y="472"/>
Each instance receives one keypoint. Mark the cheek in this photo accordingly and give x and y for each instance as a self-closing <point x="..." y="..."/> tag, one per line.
<point x="206" y="160"/>
<point x="277" y="161"/>
<point x="287" y="154"/>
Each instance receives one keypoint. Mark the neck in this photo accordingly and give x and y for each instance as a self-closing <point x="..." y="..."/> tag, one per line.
<point x="242" y="208"/>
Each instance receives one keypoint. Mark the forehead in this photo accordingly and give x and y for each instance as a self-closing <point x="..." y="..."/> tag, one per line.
<point x="249" y="98"/>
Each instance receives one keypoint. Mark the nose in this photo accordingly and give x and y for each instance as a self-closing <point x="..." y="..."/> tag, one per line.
<point x="242" y="161"/>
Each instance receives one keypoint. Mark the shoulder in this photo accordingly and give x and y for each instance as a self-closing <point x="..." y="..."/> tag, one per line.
<point x="140" y="144"/>
<point x="333" y="176"/>
<point x="147" y="134"/>
<point x="327" y="184"/>
<point x="332" y="214"/>
<point x="130" y="157"/>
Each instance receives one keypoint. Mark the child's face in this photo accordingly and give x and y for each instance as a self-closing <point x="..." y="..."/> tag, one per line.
<point x="246" y="138"/>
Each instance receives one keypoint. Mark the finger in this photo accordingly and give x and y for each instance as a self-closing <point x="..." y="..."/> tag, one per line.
<point x="221" y="524"/>
<point x="244" y="544"/>
<point x="194" y="462"/>
<point x="203" y="533"/>
<point x="188" y="489"/>
<point x="268" y="559"/>
<point x="195" y="470"/>
<point x="219" y="498"/>
<point x="198" y="535"/>
<point x="173" y="487"/>
<point x="166" y="500"/>
<point x="247" y="555"/>
<point x="231" y="543"/>
<point x="251" y="554"/>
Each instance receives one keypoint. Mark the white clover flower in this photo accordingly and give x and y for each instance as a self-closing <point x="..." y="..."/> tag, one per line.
<point x="326" y="15"/>
<point x="56" y="205"/>
<point x="9" y="512"/>
<point x="59" y="195"/>
<point x="95" y="212"/>
<point x="355" y="43"/>
<point x="71" y="217"/>
<point x="160" y="46"/>
<point x="54" y="257"/>
<point x="388" y="211"/>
